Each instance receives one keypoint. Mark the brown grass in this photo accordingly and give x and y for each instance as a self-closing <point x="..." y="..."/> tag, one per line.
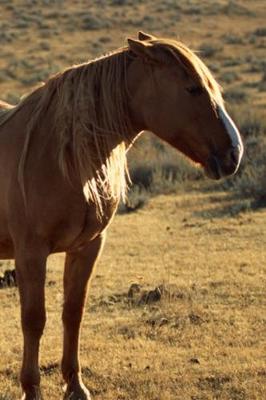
<point x="204" y="338"/>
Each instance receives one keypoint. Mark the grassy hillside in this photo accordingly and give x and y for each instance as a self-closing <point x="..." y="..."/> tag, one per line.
<point x="192" y="326"/>
<point x="40" y="37"/>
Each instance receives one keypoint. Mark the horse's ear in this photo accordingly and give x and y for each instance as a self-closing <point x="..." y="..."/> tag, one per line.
<point x="140" y="48"/>
<point x="145" y="36"/>
<point x="147" y="51"/>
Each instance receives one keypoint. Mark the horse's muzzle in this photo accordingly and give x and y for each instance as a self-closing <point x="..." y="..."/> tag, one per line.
<point x="218" y="167"/>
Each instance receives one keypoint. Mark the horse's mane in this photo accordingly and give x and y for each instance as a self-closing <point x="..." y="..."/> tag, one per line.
<point x="89" y="116"/>
<point x="193" y="66"/>
<point x="89" y="103"/>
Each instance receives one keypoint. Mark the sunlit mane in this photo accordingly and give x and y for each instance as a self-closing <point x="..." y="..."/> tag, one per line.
<point x="193" y="66"/>
<point x="89" y="116"/>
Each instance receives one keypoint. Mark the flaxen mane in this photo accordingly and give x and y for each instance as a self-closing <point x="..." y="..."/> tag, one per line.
<point x="89" y="103"/>
<point x="193" y="65"/>
<point x="90" y="112"/>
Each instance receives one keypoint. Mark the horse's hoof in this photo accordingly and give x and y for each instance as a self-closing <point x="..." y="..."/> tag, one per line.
<point x="77" y="392"/>
<point x="33" y="394"/>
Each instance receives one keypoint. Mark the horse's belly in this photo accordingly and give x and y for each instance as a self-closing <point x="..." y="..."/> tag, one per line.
<point x="6" y="248"/>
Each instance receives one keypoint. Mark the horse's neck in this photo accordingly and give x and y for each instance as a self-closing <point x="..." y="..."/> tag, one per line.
<point x="6" y="110"/>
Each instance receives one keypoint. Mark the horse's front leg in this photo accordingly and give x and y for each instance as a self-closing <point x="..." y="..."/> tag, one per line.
<point x="31" y="258"/>
<point x="78" y="268"/>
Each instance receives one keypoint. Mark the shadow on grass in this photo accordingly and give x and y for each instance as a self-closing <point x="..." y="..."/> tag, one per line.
<point x="229" y="207"/>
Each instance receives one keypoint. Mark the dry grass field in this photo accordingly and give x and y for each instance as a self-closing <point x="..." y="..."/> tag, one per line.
<point x="176" y="307"/>
<point x="200" y="335"/>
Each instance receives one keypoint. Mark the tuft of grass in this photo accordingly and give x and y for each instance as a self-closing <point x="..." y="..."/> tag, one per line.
<point x="262" y="83"/>
<point x="232" y="62"/>
<point x="235" y="95"/>
<point x="137" y="198"/>
<point x="209" y="50"/>
<point x="93" y="22"/>
<point x="44" y="46"/>
<point x="234" y="8"/>
<point x="164" y="176"/>
<point x="233" y="39"/>
<point x="229" y="77"/>
<point x="251" y="124"/>
<point x="260" y="32"/>
<point x="250" y="182"/>
<point x="7" y="36"/>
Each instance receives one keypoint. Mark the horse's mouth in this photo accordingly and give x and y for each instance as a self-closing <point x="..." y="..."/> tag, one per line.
<point x="217" y="167"/>
<point x="213" y="168"/>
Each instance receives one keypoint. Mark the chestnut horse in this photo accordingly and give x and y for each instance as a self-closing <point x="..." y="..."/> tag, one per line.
<point x="63" y="170"/>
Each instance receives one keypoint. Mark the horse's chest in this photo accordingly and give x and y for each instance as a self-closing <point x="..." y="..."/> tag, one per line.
<point x="93" y="225"/>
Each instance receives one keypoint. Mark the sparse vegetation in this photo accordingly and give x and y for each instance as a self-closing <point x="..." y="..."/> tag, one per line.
<point x="229" y="77"/>
<point x="262" y="84"/>
<point x="233" y="39"/>
<point x="209" y="50"/>
<point x="236" y="95"/>
<point x="176" y="308"/>
<point x="260" y="32"/>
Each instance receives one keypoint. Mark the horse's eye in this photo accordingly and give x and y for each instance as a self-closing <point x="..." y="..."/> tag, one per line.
<point x="195" y="90"/>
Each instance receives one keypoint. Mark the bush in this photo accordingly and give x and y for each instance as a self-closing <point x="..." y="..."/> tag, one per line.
<point x="252" y="181"/>
<point x="232" y="62"/>
<point x="233" y="8"/>
<point x="251" y="178"/>
<point x="92" y="22"/>
<point x="229" y="77"/>
<point x="136" y="199"/>
<point x="260" y="32"/>
<point x="262" y="83"/>
<point x="163" y="176"/>
<point x="236" y="95"/>
<point x="209" y="50"/>
<point x="156" y="168"/>
<point x="232" y="39"/>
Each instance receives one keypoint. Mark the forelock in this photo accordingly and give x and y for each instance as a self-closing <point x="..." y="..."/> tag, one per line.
<point x="193" y="66"/>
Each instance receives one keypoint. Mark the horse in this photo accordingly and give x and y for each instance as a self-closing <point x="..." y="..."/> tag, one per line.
<point x="63" y="170"/>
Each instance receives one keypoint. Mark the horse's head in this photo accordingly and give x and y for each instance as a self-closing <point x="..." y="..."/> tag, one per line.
<point x="174" y="95"/>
